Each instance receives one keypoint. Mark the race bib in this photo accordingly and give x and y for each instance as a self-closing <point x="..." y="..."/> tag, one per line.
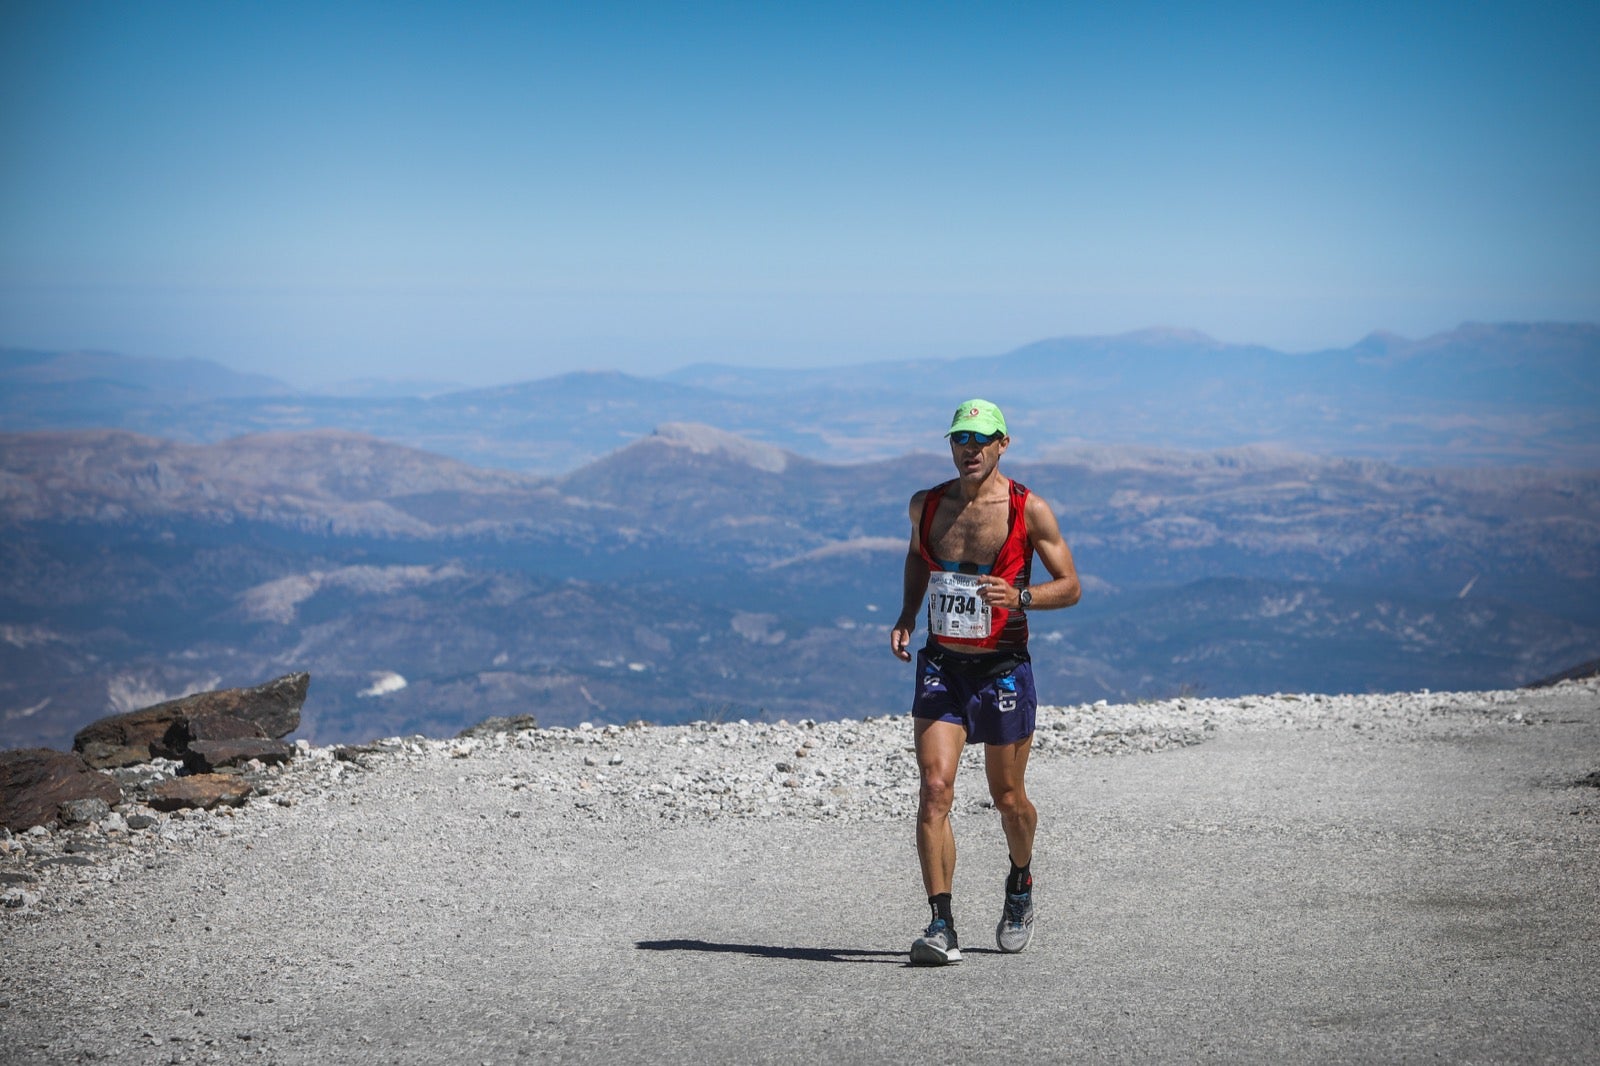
<point x="954" y="607"/>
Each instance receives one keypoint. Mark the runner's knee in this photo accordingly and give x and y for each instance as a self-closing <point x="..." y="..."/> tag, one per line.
<point x="937" y="795"/>
<point x="1010" y="801"/>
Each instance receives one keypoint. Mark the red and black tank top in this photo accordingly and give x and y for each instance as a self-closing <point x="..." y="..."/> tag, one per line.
<point x="1008" y="629"/>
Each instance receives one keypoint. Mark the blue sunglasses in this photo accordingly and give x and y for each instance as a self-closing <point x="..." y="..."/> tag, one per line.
<point x="967" y="436"/>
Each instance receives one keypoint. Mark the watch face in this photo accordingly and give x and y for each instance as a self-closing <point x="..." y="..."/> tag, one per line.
<point x="1025" y="597"/>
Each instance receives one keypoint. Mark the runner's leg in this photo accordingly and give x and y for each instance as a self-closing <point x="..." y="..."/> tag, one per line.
<point x="1005" y="765"/>
<point x="939" y="747"/>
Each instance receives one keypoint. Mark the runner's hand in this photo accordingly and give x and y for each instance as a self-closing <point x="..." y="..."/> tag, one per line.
<point x="997" y="592"/>
<point x="900" y="643"/>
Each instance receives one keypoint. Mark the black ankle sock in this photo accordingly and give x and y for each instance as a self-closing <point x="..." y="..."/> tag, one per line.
<point x="941" y="908"/>
<point x="1020" y="880"/>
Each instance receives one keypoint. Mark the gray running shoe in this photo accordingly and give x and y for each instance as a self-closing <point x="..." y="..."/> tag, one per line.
<point x="1016" y="923"/>
<point x="936" y="946"/>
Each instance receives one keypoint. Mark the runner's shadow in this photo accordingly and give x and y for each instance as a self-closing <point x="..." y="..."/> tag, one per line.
<point x="773" y="951"/>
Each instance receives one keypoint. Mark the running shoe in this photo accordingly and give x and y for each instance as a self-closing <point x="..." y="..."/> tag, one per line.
<point x="936" y="946"/>
<point x="1016" y="923"/>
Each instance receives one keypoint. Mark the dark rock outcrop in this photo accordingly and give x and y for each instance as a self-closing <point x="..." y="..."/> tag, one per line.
<point x="128" y="739"/>
<point x="186" y="731"/>
<point x="35" y="783"/>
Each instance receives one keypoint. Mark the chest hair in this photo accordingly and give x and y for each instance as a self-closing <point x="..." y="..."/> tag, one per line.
<point x="969" y="532"/>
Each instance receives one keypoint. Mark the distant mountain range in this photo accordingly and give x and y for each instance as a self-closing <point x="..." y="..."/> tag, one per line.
<point x="1480" y="395"/>
<point x="697" y="573"/>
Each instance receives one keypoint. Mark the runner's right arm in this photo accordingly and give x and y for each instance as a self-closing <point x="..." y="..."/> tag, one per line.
<point x="914" y="588"/>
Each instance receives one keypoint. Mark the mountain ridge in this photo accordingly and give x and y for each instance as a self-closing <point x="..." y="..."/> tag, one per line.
<point x="1484" y="394"/>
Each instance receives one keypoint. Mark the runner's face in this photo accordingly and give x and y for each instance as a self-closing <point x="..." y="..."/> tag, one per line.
<point x="976" y="461"/>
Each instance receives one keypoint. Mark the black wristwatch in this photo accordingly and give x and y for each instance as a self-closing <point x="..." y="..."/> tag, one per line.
<point x="1025" y="599"/>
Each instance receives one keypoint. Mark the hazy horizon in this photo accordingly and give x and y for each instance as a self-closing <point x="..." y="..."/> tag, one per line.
<point x="487" y="193"/>
<point x="435" y="384"/>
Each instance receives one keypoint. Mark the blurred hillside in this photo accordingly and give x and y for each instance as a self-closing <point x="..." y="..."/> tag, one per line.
<point x="695" y="573"/>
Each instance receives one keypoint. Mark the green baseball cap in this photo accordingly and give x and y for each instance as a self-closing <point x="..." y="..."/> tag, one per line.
<point x="980" y="416"/>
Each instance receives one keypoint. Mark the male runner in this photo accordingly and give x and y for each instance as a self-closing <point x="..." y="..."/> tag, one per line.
<point x="972" y="546"/>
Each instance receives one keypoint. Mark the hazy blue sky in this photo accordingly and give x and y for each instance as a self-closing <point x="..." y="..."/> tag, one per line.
<point x="488" y="192"/>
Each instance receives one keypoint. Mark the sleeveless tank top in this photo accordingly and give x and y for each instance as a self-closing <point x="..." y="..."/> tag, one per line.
<point x="1008" y="629"/>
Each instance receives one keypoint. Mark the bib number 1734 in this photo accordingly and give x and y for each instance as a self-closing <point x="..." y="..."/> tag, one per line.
<point x="954" y="607"/>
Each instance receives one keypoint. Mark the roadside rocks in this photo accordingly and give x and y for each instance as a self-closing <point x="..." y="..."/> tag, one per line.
<point x="268" y="710"/>
<point x="220" y="736"/>
<point x="855" y="770"/>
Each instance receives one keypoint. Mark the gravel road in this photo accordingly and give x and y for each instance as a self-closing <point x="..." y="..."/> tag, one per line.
<point x="1282" y="878"/>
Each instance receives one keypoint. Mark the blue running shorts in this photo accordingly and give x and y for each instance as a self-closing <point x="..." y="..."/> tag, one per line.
<point x="991" y="696"/>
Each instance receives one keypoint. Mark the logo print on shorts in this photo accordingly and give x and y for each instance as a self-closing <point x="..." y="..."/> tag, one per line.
<point x="1007" y="700"/>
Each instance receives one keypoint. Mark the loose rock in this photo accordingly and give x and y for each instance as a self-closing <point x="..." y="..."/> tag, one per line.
<point x="81" y="811"/>
<point x="209" y="756"/>
<point x="203" y="791"/>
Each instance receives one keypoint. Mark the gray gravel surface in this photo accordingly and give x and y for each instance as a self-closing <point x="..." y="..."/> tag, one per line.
<point x="1282" y="878"/>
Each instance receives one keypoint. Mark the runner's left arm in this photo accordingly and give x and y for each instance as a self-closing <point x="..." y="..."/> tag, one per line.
<point x="1063" y="589"/>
